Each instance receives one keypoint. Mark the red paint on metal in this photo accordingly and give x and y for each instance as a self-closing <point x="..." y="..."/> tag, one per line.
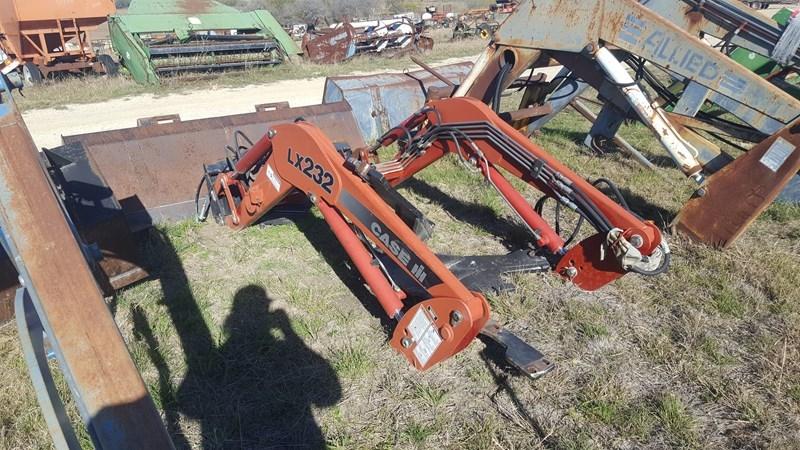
<point x="362" y="259"/>
<point x="346" y="195"/>
<point x="547" y="236"/>
<point x="169" y="155"/>
<point x="461" y="110"/>
<point x="596" y="265"/>
<point x="259" y="150"/>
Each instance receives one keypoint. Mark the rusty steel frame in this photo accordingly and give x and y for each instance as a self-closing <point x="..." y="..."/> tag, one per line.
<point x="112" y="398"/>
<point x="572" y="33"/>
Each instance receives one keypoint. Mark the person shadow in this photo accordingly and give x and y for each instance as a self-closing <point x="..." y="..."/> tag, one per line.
<point x="253" y="387"/>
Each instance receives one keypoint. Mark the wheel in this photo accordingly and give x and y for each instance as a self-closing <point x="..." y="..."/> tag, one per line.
<point x="109" y="65"/>
<point x="31" y="74"/>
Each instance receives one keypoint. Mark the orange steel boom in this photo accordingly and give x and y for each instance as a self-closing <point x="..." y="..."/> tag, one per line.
<point x="300" y="157"/>
<point x="437" y="314"/>
<point x="470" y="129"/>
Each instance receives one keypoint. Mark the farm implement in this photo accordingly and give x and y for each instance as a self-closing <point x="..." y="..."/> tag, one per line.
<point x="92" y="184"/>
<point x="343" y="41"/>
<point x="86" y="200"/>
<point x="437" y="314"/>
<point x="39" y="38"/>
<point x="603" y="41"/>
<point x="154" y="38"/>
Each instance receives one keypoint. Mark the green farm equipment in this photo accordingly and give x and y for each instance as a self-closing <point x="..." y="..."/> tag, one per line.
<point x="768" y="67"/>
<point x="158" y="37"/>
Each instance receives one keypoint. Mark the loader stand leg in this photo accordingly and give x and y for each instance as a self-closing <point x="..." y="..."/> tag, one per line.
<point x="518" y="352"/>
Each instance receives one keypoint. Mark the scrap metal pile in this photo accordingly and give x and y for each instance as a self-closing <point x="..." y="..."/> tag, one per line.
<point x="483" y="22"/>
<point x="98" y="189"/>
<point x="346" y="40"/>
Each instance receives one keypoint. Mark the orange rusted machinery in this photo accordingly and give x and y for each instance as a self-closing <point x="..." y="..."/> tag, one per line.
<point x="40" y="37"/>
<point x="439" y="308"/>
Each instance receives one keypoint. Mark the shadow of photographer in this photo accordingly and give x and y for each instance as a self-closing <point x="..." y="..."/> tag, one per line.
<point x="253" y="387"/>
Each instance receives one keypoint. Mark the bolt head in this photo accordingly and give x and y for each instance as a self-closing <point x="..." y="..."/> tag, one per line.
<point x="456" y="317"/>
<point x="637" y="241"/>
<point x="405" y="342"/>
<point x="571" y="272"/>
<point x="271" y="133"/>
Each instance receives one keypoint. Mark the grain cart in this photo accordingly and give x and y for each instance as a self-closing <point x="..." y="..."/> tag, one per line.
<point x="41" y="37"/>
<point x="159" y="37"/>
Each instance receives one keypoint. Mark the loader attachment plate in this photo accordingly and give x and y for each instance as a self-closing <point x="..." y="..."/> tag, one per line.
<point x="151" y="169"/>
<point x="737" y="194"/>
<point x="118" y="182"/>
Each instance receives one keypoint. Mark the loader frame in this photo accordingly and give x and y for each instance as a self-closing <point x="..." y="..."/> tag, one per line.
<point x="601" y="36"/>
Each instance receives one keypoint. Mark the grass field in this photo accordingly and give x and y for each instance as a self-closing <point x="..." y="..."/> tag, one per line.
<point x="93" y="89"/>
<point x="267" y="339"/>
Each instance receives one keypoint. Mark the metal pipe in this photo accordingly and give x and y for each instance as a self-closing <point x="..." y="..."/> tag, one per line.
<point x="684" y="154"/>
<point x="433" y="71"/>
<point x="362" y="259"/>
<point x="545" y="236"/>
<point x="251" y="157"/>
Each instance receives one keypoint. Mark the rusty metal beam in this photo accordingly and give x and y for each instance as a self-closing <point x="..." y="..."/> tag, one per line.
<point x="736" y="195"/>
<point x="113" y="400"/>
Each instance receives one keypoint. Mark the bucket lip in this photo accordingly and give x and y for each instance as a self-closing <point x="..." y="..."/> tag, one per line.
<point x="156" y="130"/>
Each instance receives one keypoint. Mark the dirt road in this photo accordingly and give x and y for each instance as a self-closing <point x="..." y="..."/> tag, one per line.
<point x="48" y="125"/>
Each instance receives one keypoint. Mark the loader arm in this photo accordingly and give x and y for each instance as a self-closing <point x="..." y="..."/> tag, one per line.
<point x="431" y="327"/>
<point x="468" y="129"/>
<point x="730" y="21"/>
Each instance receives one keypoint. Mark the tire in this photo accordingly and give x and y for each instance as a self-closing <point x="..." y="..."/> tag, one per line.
<point x="109" y="65"/>
<point x="31" y="75"/>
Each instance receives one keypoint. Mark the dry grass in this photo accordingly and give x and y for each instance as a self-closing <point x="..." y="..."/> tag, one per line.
<point x="280" y="344"/>
<point x="93" y="89"/>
